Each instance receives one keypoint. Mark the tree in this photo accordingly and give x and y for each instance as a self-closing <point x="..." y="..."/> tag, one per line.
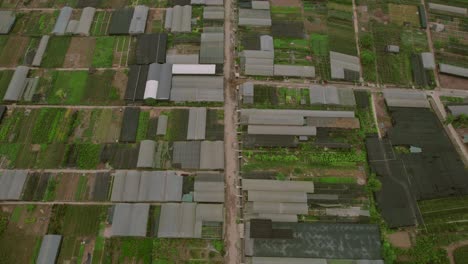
<point x="367" y="57"/>
<point x="373" y="184"/>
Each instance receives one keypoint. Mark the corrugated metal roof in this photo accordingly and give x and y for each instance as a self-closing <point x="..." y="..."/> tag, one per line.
<point x="294" y="70"/>
<point x="213" y="2"/>
<point x="130" y="219"/>
<point x="49" y="249"/>
<point x="11" y="184"/>
<point x="40" y="51"/>
<point x="453" y="70"/>
<point x="209" y="187"/>
<point x="146" y="154"/>
<point x="213" y="13"/>
<point x="406" y="98"/>
<point x="447" y="8"/>
<point x="168" y="18"/>
<point x="428" y="60"/>
<point x="245" y="113"/>
<point x="247" y="89"/>
<point x="254" y="17"/>
<point x="194" y="69"/>
<point x="344" y="212"/>
<point x="182" y="58"/>
<point x="282" y="130"/>
<point x="330" y="95"/>
<point x="268" y="196"/>
<point x="62" y="20"/>
<point x="339" y="62"/>
<point x="7" y="20"/>
<point x="86" y="20"/>
<point x="147" y="186"/>
<point x="196" y="124"/>
<point x="71" y="27"/>
<point x="177" y="220"/>
<point x="197" y="88"/>
<point x="120" y="21"/>
<point x="181" y="18"/>
<point x="277" y="186"/>
<point x="457" y="110"/>
<point x="212" y="155"/>
<point x="162" y="125"/>
<point x="261" y="5"/>
<point x="333" y="122"/>
<point x="138" y="22"/>
<point x="17" y="84"/>
<point x="212" y="48"/>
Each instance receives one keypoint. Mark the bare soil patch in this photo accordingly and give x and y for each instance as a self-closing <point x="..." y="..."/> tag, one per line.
<point x="67" y="187"/>
<point x="400" y="239"/>
<point x="80" y="53"/>
<point x="120" y="82"/>
<point x="452" y="82"/>
<point x="13" y="51"/>
<point x="384" y="121"/>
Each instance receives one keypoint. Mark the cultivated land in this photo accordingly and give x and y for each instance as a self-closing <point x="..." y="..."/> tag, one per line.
<point x="381" y="172"/>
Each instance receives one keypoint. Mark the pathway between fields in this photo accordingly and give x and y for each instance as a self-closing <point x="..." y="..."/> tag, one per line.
<point x="231" y="234"/>
<point x="451" y="248"/>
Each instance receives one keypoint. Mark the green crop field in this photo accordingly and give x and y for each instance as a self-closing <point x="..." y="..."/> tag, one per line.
<point x="103" y="52"/>
<point x="55" y="52"/>
<point x="68" y="87"/>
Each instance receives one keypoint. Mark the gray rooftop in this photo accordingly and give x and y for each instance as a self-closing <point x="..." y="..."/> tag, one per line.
<point x="11" y="184"/>
<point x="40" y="51"/>
<point x="146" y="154"/>
<point x="86" y="19"/>
<point x="428" y="60"/>
<point x="212" y="47"/>
<point x="457" y="110"/>
<point x="49" y="249"/>
<point x="146" y="186"/>
<point x="17" y="84"/>
<point x="196" y="124"/>
<point x="277" y="186"/>
<point x="186" y="154"/>
<point x="62" y="20"/>
<point x="197" y="89"/>
<point x="266" y="43"/>
<point x="447" y="8"/>
<point x="330" y="95"/>
<point x="294" y="70"/>
<point x="254" y="17"/>
<point x="130" y="219"/>
<point x="138" y="22"/>
<point x="453" y="70"/>
<point x="281" y="130"/>
<point x="406" y="98"/>
<point x="182" y="58"/>
<point x="162" y="125"/>
<point x="209" y="187"/>
<point x="179" y="18"/>
<point x="213" y="12"/>
<point x="212" y="155"/>
<point x="261" y="5"/>
<point x="7" y="20"/>
<point x="340" y="62"/>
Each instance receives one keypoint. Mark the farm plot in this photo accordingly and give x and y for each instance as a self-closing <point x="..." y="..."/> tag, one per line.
<point x="80" y="51"/>
<point x="384" y="26"/>
<point x="22" y="225"/>
<point x="12" y="50"/>
<point x="5" y="77"/>
<point x="122" y="47"/>
<point x="35" y="23"/>
<point x="101" y="23"/>
<point x="56" y="52"/>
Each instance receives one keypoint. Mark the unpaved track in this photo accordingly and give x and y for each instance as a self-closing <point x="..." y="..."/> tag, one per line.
<point x="451" y="248"/>
<point x="231" y="234"/>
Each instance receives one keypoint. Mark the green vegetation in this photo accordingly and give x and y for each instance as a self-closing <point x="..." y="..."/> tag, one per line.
<point x="104" y="52"/>
<point x="56" y="51"/>
<point x="5" y="77"/>
<point x="451" y="99"/>
<point x="81" y="189"/>
<point x="142" y="125"/>
<point x="100" y="89"/>
<point x="15" y="216"/>
<point x="460" y="121"/>
<point x="88" y="155"/>
<point x="335" y="180"/>
<point x="50" y="192"/>
<point x="68" y="87"/>
<point x="461" y="255"/>
<point x="76" y="220"/>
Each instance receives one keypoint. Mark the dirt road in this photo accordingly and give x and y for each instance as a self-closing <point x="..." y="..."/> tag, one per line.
<point x="232" y="235"/>
<point x="451" y="248"/>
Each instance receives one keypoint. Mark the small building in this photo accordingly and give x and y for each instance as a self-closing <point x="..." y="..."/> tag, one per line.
<point x="392" y="49"/>
<point x="7" y="20"/>
<point x="254" y="17"/>
<point x="12" y="183"/>
<point x="428" y="60"/>
<point x="178" y="18"/>
<point x="40" y="51"/>
<point x="49" y="249"/>
<point x="130" y="220"/>
<point x="212" y="47"/>
<point x="86" y="19"/>
<point x="146" y="154"/>
<point x="449" y="9"/>
<point x="138" y="22"/>
<point x="62" y="21"/>
<point x="213" y="13"/>
<point x="344" y="66"/>
<point x="247" y="93"/>
<point x="17" y="84"/>
<point x="453" y="70"/>
<point x="196" y="129"/>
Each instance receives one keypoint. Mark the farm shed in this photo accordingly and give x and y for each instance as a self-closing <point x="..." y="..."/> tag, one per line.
<point x="194" y="69"/>
<point x="212" y="48"/>
<point x="213" y="13"/>
<point x="333" y="122"/>
<point x="340" y="62"/>
<point x="266" y="43"/>
<point x="392" y="49"/>
<point x="212" y="155"/>
<point x="405" y="98"/>
<point x="197" y="89"/>
<point x="138" y="22"/>
<point x="447" y="8"/>
<point x="136" y="84"/>
<point x="453" y="70"/>
<point x="146" y="186"/>
<point x="428" y="60"/>
<point x="86" y="19"/>
<point x="120" y="21"/>
<point x="422" y="16"/>
<point x="179" y="19"/>
<point x="330" y="95"/>
<point x="247" y="93"/>
<point x="246" y="113"/>
<point x="146" y="154"/>
<point x="254" y="17"/>
<point x="277" y="186"/>
<point x="294" y="71"/>
<point x="7" y="20"/>
<point x="186" y="154"/>
<point x="17" y="84"/>
<point x="40" y="51"/>
<point x="283" y="196"/>
<point x="151" y="48"/>
<point x="49" y="249"/>
<point x="457" y="110"/>
<point x="186" y="220"/>
<point x="275" y="120"/>
<point x="257" y="62"/>
<point x="162" y="125"/>
<point x="196" y="124"/>
<point x="158" y="82"/>
<point x="62" y="21"/>
<point x="71" y="27"/>
<point x="129" y="128"/>
<point x="329" y="240"/>
<point x="261" y="5"/>
<point x="209" y="187"/>
<point x="282" y="130"/>
<point x="130" y="220"/>
<point x="11" y="184"/>
<point x="182" y="58"/>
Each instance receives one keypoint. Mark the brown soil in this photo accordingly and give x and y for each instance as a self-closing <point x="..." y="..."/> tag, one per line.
<point x="13" y="51"/>
<point x="286" y="3"/>
<point x="89" y="187"/>
<point x="80" y="53"/>
<point x="120" y="82"/>
<point x="154" y="15"/>
<point x="35" y="222"/>
<point x="384" y="121"/>
<point x="67" y="187"/>
<point x="88" y="248"/>
<point x="451" y="248"/>
<point x="452" y="82"/>
<point x="400" y="239"/>
<point x="120" y="55"/>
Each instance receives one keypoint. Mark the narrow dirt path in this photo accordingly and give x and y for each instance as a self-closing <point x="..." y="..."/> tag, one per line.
<point x="431" y="46"/>
<point x="451" y="248"/>
<point x="231" y="234"/>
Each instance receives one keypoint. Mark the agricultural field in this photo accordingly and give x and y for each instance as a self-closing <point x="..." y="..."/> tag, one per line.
<point x="385" y="24"/>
